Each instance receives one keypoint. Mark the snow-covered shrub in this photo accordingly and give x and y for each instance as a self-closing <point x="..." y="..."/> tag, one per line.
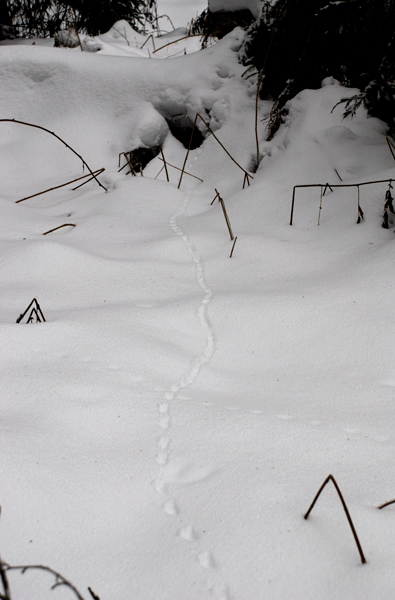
<point x="91" y="44"/>
<point x="67" y="38"/>
<point x="300" y="42"/>
<point x="43" y="18"/>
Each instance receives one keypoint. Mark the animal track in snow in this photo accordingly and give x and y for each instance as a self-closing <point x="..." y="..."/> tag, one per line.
<point x="188" y="533"/>
<point x="180" y="472"/>
<point x="206" y="560"/>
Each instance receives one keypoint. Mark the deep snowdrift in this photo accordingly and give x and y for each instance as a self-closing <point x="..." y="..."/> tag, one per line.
<point x="163" y="433"/>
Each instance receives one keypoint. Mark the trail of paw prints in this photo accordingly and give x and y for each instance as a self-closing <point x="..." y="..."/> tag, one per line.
<point x="173" y="471"/>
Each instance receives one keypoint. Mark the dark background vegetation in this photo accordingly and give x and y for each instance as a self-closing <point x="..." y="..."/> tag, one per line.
<point x="43" y="18"/>
<point x="293" y="45"/>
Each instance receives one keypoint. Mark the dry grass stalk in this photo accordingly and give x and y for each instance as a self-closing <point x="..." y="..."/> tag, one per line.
<point x="129" y="155"/>
<point x="331" y="478"/>
<point x="246" y="174"/>
<point x="391" y="146"/>
<point x="98" y="172"/>
<point x="59" y="579"/>
<point x="58" y="138"/>
<point x="225" y="215"/>
<point x="123" y="34"/>
<point x="233" y="247"/>
<point x="174" y="42"/>
<point x="159" y="172"/>
<point x="150" y="37"/>
<point x="178" y="169"/>
<point x="188" y="150"/>
<point x="60" y="227"/>
<point x="336" y="185"/>
<point x="386" y="504"/>
<point x="36" y="308"/>
<point x="4" y="580"/>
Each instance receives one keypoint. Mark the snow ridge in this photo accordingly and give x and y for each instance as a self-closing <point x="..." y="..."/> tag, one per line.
<point x="168" y="473"/>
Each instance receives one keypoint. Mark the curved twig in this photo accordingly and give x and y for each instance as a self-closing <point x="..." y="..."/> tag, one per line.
<point x="386" y="504"/>
<point x="175" y="42"/>
<point x="331" y="478"/>
<point x="60" y="227"/>
<point x="59" y="579"/>
<point x="60" y="140"/>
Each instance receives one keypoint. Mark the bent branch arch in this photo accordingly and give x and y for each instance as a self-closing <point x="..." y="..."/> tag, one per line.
<point x="60" y="140"/>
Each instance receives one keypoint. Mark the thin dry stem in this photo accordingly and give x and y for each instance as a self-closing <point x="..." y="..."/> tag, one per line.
<point x="175" y="42"/>
<point x="178" y="169"/>
<point x="386" y="504"/>
<point x="59" y="579"/>
<point x="246" y="174"/>
<point x="326" y="186"/>
<point x="98" y="172"/>
<point x="58" y="138"/>
<point x="331" y="478"/>
<point x="225" y="215"/>
<point x="60" y="227"/>
<point x="233" y="247"/>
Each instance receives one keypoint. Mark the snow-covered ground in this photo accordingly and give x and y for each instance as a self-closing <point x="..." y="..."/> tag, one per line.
<point x="180" y="11"/>
<point x="167" y="427"/>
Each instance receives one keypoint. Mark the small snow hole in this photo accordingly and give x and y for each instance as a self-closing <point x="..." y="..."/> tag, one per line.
<point x="181" y="127"/>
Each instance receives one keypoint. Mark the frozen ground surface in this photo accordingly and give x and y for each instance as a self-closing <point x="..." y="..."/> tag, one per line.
<point x="163" y="433"/>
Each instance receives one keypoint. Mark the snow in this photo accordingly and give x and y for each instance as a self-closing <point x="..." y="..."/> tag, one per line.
<point x="180" y="11"/>
<point x="167" y="427"/>
<point x="233" y="5"/>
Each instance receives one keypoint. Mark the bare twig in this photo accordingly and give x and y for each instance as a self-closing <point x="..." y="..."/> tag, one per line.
<point x="215" y="197"/>
<point x="59" y="579"/>
<point x="160" y="172"/>
<point x="188" y="151"/>
<point x="246" y="174"/>
<point x="391" y="146"/>
<point x="223" y="147"/>
<point x="150" y="37"/>
<point x="92" y="593"/>
<point x="246" y="180"/>
<point x="331" y="478"/>
<point x="233" y="247"/>
<point x="33" y="314"/>
<point x="178" y="169"/>
<point x="122" y="34"/>
<point x="60" y="227"/>
<point x="4" y="580"/>
<point x="58" y="138"/>
<point x="225" y="215"/>
<point x="37" y="308"/>
<point x="162" y="17"/>
<point x="386" y="504"/>
<point x="164" y="163"/>
<point x="175" y="42"/>
<point x="326" y="186"/>
<point x="319" y="211"/>
<point x="98" y="172"/>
